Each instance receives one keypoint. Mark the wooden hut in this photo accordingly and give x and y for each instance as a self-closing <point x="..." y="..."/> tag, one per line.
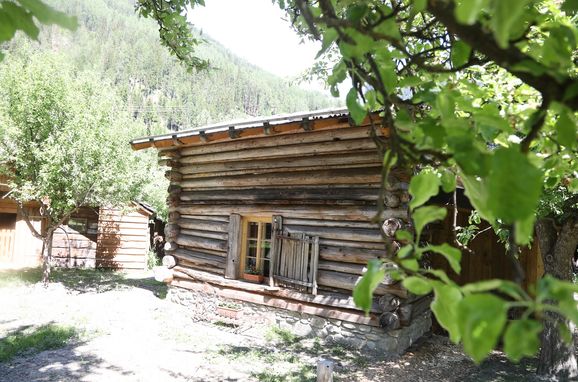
<point x="93" y="237"/>
<point x="275" y="214"/>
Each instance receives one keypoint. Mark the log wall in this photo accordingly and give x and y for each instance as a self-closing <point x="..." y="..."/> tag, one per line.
<point x="322" y="183"/>
<point x="123" y="239"/>
<point x="75" y="247"/>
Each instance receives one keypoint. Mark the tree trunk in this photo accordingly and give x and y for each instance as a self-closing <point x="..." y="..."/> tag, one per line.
<point x="47" y="256"/>
<point x="557" y="248"/>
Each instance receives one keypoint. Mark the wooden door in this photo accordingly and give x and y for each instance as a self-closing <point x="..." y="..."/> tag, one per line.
<point x="7" y="235"/>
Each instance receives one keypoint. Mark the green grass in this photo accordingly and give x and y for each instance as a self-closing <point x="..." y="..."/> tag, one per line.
<point x="281" y="336"/>
<point x="81" y="280"/>
<point x="29" y="341"/>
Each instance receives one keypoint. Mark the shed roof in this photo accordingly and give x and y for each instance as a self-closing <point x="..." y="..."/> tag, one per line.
<point x="236" y="128"/>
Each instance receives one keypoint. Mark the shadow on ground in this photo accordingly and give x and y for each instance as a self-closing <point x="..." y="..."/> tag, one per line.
<point x="83" y="280"/>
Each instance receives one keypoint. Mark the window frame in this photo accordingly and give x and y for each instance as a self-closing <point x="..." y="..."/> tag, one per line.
<point x="79" y="222"/>
<point x="245" y="220"/>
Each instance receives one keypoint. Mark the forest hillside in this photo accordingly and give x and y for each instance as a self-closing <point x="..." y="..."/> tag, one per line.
<point x="124" y="49"/>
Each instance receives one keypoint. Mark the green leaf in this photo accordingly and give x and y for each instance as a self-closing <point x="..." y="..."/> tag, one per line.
<point x="504" y="16"/>
<point x="452" y="254"/>
<point x="444" y="306"/>
<point x="477" y="192"/>
<point x="460" y="53"/>
<point x="446" y="105"/>
<point x="514" y="185"/>
<point x="448" y="181"/>
<point x="425" y="215"/>
<point x="417" y="285"/>
<point x="522" y="339"/>
<point x="481" y="319"/>
<point x="467" y="11"/>
<point x="363" y="291"/>
<point x="329" y="37"/>
<point x="565" y="333"/>
<point x="419" y="5"/>
<point x="21" y="19"/>
<point x="410" y="264"/>
<point x="566" y="128"/>
<point x="570" y="6"/>
<point x="47" y="15"/>
<point x="524" y="230"/>
<point x="422" y="187"/>
<point x="357" y="111"/>
<point x="403" y="235"/>
<point x="508" y="287"/>
<point x="389" y="78"/>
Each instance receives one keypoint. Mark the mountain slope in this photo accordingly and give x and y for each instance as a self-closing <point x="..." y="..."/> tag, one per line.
<point x="124" y="49"/>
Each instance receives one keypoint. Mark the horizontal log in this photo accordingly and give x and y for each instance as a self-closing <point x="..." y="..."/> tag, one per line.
<point x="389" y="321"/>
<point x="355" y="158"/>
<point x="203" y="225"/>
<point x="169" y="261"/>
<point x="277" y="140"/>
<point x="143" y="224"/>
<point x="353" y="244"/>
<point x="365" y="175"/>
<point x="351" y="213"/>
<point x="205" y="234"/>
<point x="410" y="311"/>
<point x="199" y="258"/>
<point x="211" y="218"/>
<point x="348" y="282"/>
<point x="335" y="300"/>
<point x="199" y="242"/>
<point x="305" y="149"/>
<point x="276" y="302"/>
<point x="329" y="223"/>
<point x="348" y="254"/>
<point x="354" y="269"/>
<point x="198" y="268"/>
<point x="337" y="233"/>
<point x="134" y="258"/>
<point x="388" y="303"/>
<point x="325" y="194"/>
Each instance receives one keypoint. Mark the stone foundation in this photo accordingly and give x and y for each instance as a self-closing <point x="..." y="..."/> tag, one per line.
<point x="203" y="307"/>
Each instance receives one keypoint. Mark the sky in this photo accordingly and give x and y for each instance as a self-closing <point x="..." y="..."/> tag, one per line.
<point x="256" y="31"/>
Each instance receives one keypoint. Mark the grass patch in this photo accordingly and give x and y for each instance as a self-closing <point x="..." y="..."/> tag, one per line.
<point x="302" y="374"/>
<point x="27" y="341"/>
<point x="281" y="336"/>
<point x="82" y="280"/>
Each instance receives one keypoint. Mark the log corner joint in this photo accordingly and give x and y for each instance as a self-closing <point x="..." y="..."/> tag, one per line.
<point x="203" y="136"/>
<point x="268" y="129"/>
<point x="176" y="140"/>
<point x="233" y="133"/>
<point x="306" y="124"/>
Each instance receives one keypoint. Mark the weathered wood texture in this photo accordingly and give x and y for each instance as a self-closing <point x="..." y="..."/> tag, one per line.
<point x="123" y="239"/>
<point x="323" y="184"/>
<point x="488" y="260"/>
<point x="24" y="249"/>
<point x="76" y="247"/>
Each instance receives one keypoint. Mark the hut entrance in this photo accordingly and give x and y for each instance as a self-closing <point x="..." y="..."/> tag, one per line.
<point x="7" y="235"/>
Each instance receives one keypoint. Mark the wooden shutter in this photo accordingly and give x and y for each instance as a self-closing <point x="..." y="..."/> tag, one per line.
<point x="294" y="261"/>
<point x="234" y="250"/>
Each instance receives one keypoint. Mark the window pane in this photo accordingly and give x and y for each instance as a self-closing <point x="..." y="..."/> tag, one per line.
<point x="252" y="248"/>
<point x="253" y="230"/>
<point x="267" y="231"/>
<point x="265" y="267"/>
<point x="250" y="265"/>
<point x="265" y="249"/>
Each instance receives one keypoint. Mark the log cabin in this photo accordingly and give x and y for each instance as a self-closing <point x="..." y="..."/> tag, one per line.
<point x="102" y="237"/>
<point x="279" y="216"/>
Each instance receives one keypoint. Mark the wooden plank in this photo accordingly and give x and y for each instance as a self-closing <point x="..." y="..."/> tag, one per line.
<point x="280" y="139"/>
<point x="275" y="247"/>
<point x="200" y="258"/>
<point x="277" y="302"/>
<point x="306" y="149"/>
<point x="199" y="242"/>
<point x="347" y="282"/>
<point x="354" y="269"/>
<point x="314" y="264"/>
<point x="349" y="254"/>
<point x="365" y="175"/>
<point x="324" y="194"/>
<point x="351" y="213"/>
<point x="233" y="264"/>
<point x="365" y="157"/>
<point x="207" y="234"/>
<point x="204" y="225"/>
<point x="337" y="233"/>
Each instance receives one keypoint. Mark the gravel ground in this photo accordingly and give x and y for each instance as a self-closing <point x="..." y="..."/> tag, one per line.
<point x="128" y="332"/>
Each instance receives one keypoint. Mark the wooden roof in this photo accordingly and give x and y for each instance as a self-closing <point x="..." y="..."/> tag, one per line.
<point x="265" y="126"/>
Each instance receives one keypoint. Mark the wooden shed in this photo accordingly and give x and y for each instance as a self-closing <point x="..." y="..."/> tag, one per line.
<point x="92" y="238"/>
<point x="276" y="213"/>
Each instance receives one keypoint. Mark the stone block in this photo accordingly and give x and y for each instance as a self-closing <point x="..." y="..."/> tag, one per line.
<point x="318" y="322"/>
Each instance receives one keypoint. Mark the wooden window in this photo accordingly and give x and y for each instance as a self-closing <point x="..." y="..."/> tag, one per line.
<point x="256" y="246"/>
<point x="78" y="224"/>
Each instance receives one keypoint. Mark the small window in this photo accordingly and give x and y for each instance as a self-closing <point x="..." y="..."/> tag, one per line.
<point x="256" y="254"/>
<point x="78" y="224"/>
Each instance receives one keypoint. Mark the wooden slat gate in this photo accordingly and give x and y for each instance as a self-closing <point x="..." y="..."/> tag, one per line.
<point x="294" y="261"/>
<point x="6" y="244"/>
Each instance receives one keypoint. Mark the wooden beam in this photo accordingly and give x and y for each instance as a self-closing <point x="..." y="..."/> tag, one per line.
<point x="232" y="267"/>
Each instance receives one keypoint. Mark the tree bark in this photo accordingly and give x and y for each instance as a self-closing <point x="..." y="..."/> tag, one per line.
<point x="47" y="256"/>
<point x="557" y="247"/>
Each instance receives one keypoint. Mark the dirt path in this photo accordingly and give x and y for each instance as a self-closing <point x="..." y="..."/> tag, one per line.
<point x="128" y="333"/>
